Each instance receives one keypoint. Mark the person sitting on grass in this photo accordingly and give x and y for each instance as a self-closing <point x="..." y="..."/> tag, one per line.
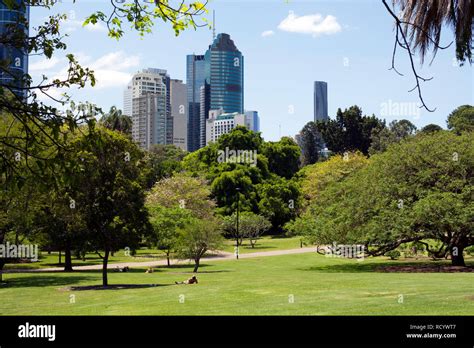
<point x="192" y="280"/>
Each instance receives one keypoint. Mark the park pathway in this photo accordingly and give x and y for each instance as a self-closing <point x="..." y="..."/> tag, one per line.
<point x="218" y="257"/>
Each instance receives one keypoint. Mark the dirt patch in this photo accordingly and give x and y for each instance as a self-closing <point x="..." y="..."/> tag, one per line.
<point x="425" y="269"/>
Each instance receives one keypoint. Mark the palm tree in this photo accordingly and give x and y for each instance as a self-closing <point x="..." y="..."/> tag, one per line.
<point x="423" y="21"/>
<point x="115" y="120"/>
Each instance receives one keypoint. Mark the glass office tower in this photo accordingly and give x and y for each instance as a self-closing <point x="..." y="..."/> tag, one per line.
<point x="225" y="75"/>
<point x="320" y="101"/>
<point x="13" y="59"/>
<point x="195" y="79"/>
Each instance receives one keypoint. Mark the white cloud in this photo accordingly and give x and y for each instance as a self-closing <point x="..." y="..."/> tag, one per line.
<point x="314" y="24"/>
<point x="116" y="61"/>
<point x="267" y="33"/>
<point x="110" y="70"/>
<point x="71" y="25"/>
<point x="44" y="64"/>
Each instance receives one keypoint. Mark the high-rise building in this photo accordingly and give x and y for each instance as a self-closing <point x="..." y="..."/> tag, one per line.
<point x="254" y="120"/>
<point x="225" y="75"/>
<point x="147" y="99"/>
<point x="14" y="59"/>
<point x="320" y="101"/>
<point x="179" y="113"/>
<point x="215" y="81"/>
<point x="195" y="79"/>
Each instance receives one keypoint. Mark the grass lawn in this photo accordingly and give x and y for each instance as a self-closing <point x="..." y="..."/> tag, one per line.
<point x="266" y="243"/>
<point x="258" y="286"/>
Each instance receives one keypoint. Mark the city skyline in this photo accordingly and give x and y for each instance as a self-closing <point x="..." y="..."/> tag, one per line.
<point x="283" y="60"/>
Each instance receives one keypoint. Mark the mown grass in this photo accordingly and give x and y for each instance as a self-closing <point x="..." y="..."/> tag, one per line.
<point x="259" y="286"/>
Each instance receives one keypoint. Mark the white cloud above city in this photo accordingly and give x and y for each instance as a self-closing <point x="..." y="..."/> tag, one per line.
<point x="268" y="33"/>
<point x="312" y="24"/>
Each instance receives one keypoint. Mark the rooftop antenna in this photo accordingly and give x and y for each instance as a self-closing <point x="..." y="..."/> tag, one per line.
<point x="213" y="24"/>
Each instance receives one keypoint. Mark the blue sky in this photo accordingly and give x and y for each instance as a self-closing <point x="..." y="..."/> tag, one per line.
<point x="346" y="43"/>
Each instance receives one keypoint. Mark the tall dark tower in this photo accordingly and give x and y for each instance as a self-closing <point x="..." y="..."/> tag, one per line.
<point x="320" y="101"/>
<point x="225" y="75"/>
<point x="13" y="59"/>
<point x="195" y="79"/>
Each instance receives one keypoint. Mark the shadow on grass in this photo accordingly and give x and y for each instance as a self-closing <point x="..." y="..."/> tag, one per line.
<point x="115" y="287"/>
<point x="394" y="266"/>
<point x="42" y="281"/>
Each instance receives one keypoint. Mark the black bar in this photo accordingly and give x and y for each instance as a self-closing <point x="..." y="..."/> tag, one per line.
<point x="350" y="331"/>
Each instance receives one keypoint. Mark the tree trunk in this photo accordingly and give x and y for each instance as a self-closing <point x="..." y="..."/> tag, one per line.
<point x="457" y="257"/>
<point x="59" y="257"/>
<point x="2" y="263"/>
<point x="196" y="265"/>
<point x="168" y="258"/>
<point x="67" y="259"/>
<point x="104" y="268"/>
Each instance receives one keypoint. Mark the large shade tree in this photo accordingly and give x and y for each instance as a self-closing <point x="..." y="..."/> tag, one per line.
<point x="417" y="190"/>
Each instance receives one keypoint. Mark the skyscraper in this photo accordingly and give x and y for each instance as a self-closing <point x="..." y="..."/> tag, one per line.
<point x="195" y="79"/>
<point x="320" y="101"/>
<point x="225" y="75"/>
<point x="179" y="113"/>
<point x="14" y="59"/>
<point x="215" y="82"/>
<point x="147" y="99"/>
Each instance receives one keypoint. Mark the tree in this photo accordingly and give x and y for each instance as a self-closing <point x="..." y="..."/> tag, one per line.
<point x="418" y="27"/>
<point x="415" y="191"/>
<point x="115" y="120"/>
<point x="461" y="119"/>
<point x="311" y="143"/>
<point x="183" y="191"/>
<point x="430" y="128"/>
<point x="317" y="177"/>
<point x="283" y="157"/>
<point x="198" y="237"/>
<point x="350" y="131"/>
<point x="254" y="226"/>
<point x="162" y="162"/>
<point x="241" y="138"/>
<point x="279" y="201"/>
<point x="108" y="191"/>
<point x="21" y="98"/>
<point x="381" y="138"/>
<point x="165" y="223"/>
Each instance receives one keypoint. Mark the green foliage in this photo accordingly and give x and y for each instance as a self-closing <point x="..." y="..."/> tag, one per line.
<point x="162" y="161"/>
<point x="241" y="138"/>
<point x="107" y="191"/>
<point x="183" y="191"/>
<point x="461" y="119"/>
<point x="198" y="237"/>
<point x="283" y="157"/>
<point x="382" y="138"/>
<point x="318" y="176"/>
<point x="311" y="143"/>
<point x="279" y="201"/>
<point x="350" y="131"/>
<point x="141" y="16"/>
<point x="430" y="128"/>
<point x="115" y="120"/>
<point x="165" y="223"/>
<point x="393" y="254"/>
<point x="251" y="226"/>
<point x="415" y="190"/>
